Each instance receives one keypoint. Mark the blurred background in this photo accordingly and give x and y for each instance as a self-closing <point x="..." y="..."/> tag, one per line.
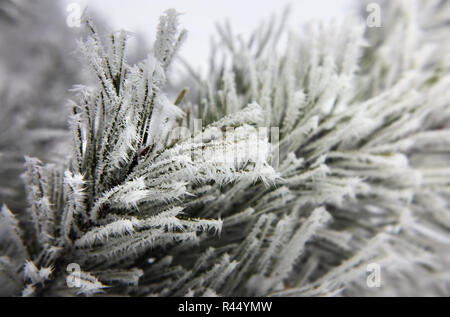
<point x="39" y="63"/>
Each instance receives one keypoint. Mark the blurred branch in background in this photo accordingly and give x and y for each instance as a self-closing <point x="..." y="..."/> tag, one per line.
<point x="37" y="68"/>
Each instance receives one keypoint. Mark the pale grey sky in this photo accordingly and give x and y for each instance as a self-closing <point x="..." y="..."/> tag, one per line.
<point x="199" y="16"/>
